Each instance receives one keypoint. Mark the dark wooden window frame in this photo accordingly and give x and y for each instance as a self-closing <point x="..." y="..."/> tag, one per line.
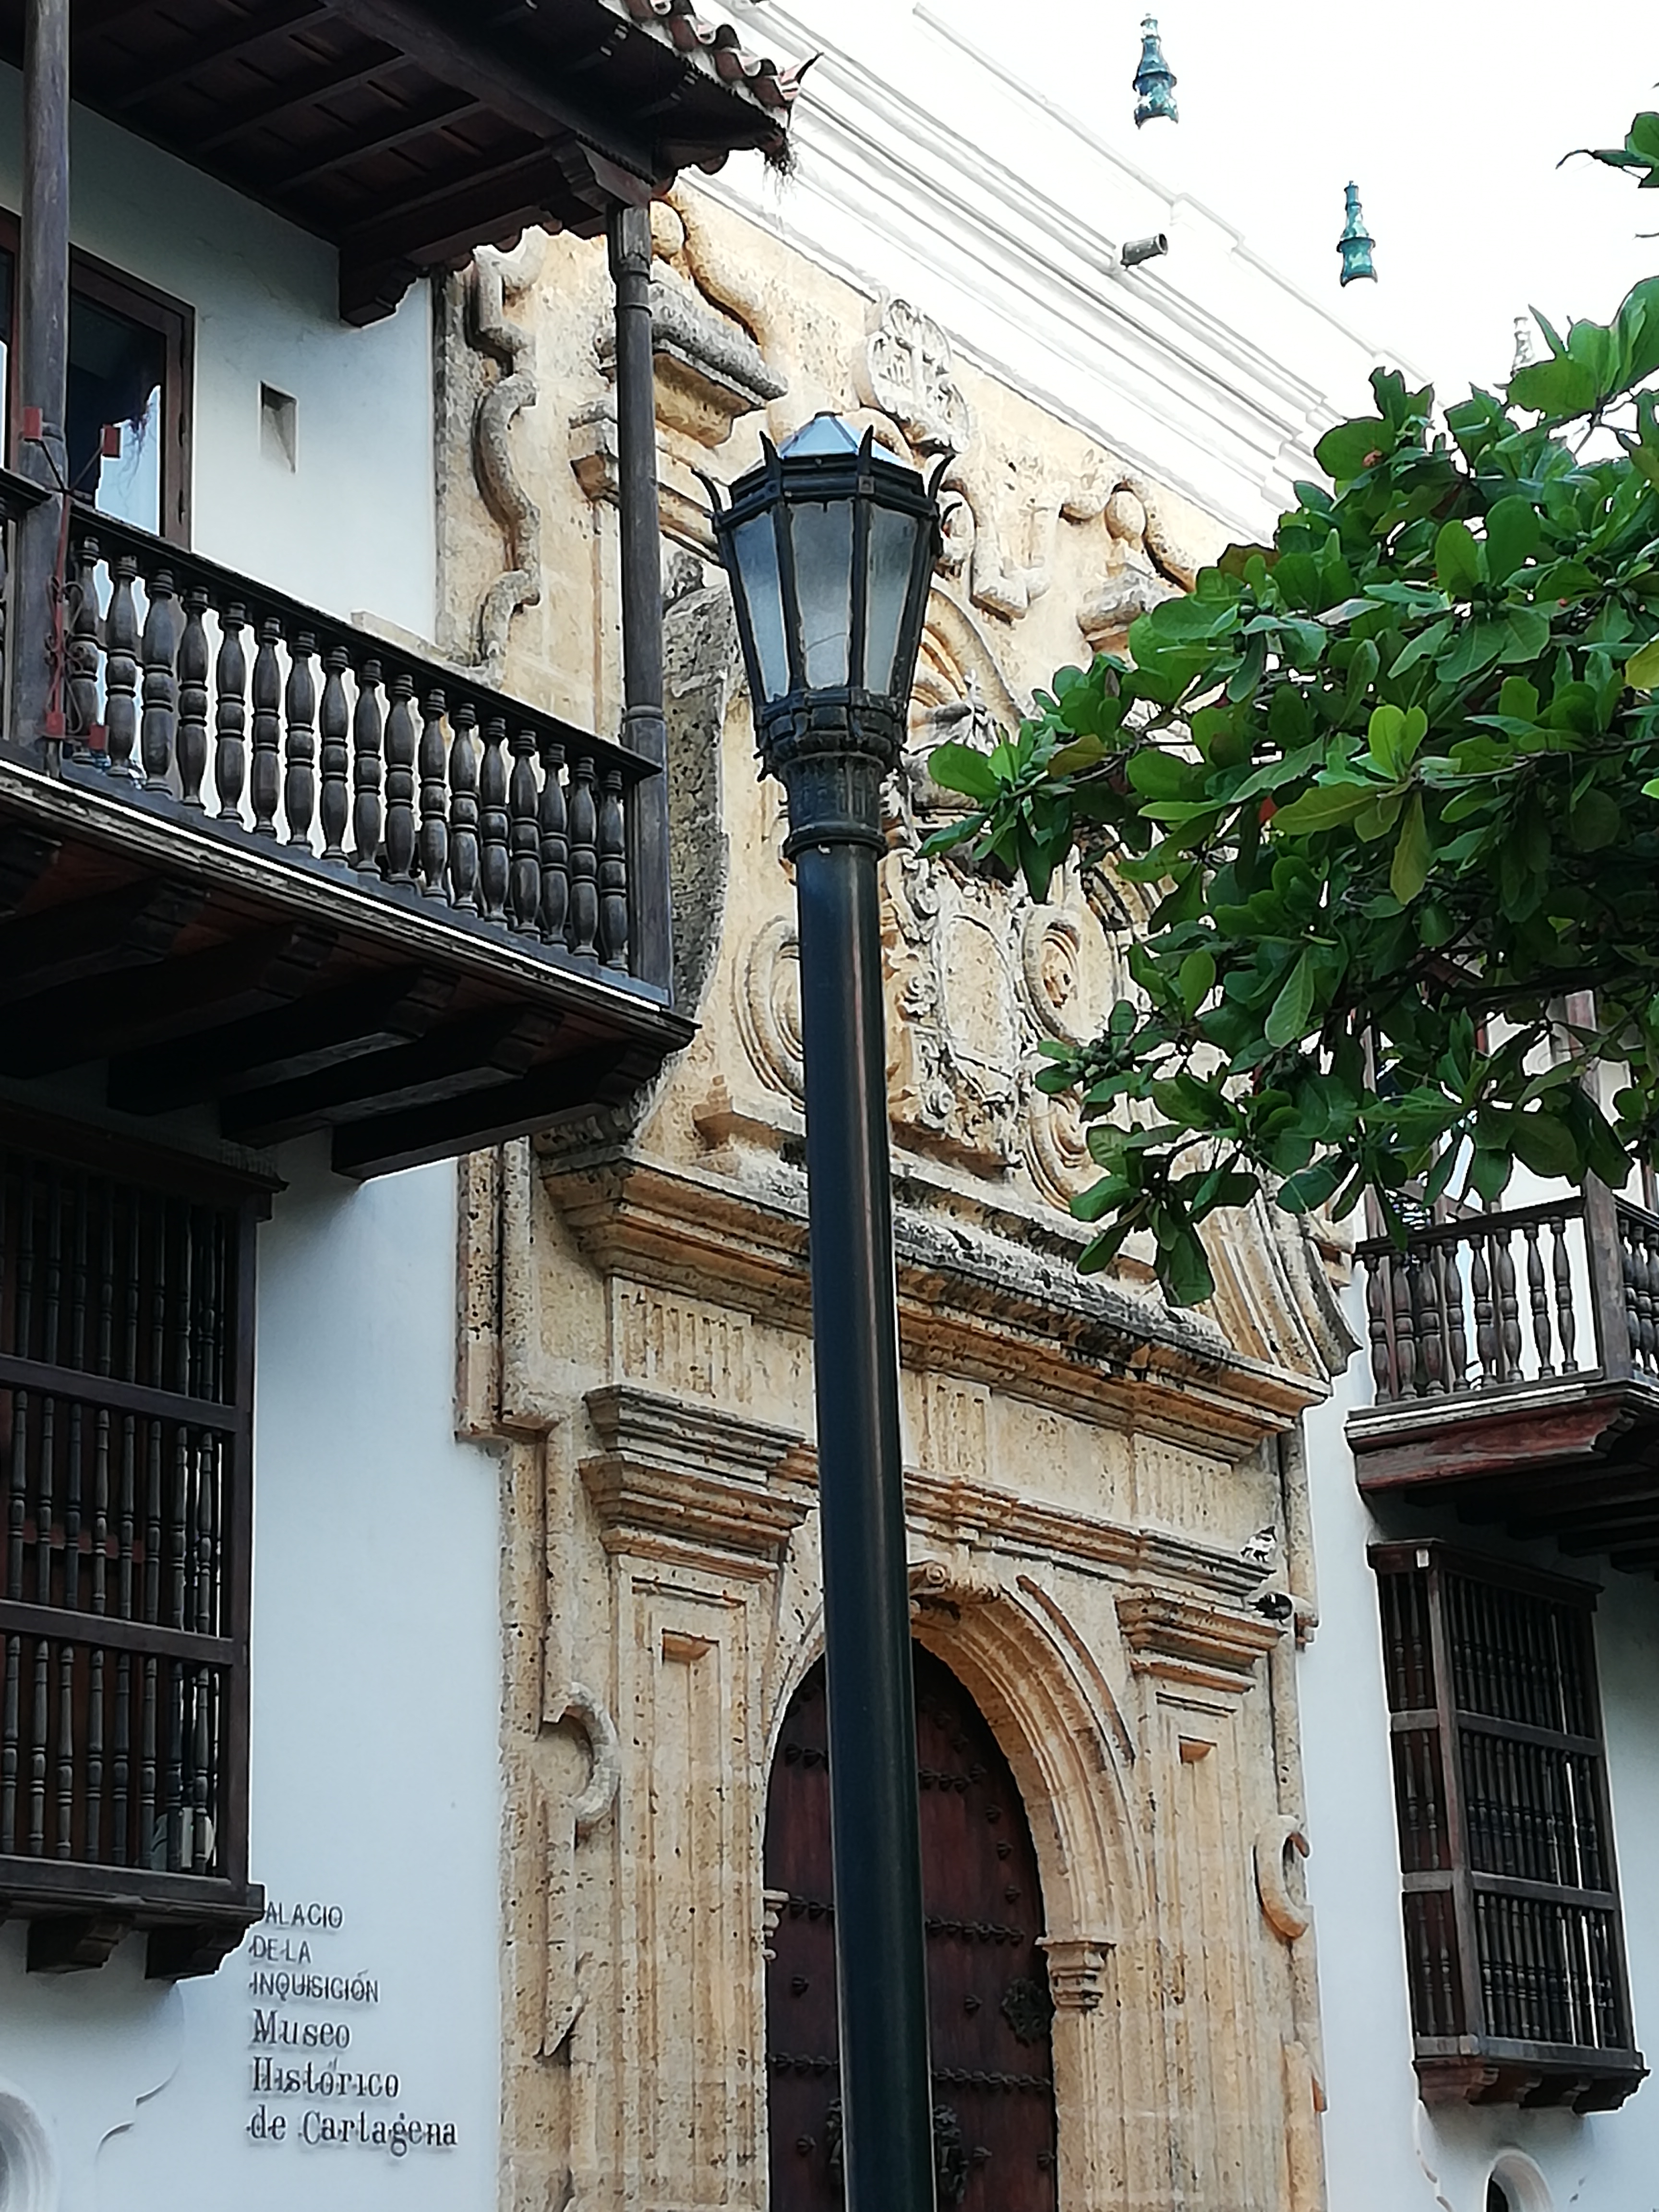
<point x="173" y="322"/>
<point x="79" y="1907"/>
<point x="1478" y="1938"/>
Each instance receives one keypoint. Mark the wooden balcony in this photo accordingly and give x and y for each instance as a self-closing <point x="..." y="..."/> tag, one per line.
<point x="1515" y="1358"/>
<point x="260" y="862"/>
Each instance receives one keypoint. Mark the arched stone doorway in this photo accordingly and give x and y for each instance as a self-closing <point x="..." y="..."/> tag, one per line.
<point x="987" y="1984"/>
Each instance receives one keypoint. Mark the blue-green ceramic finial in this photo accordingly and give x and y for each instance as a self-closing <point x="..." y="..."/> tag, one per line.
<point x="1356" y="242"/>
<point x="1155" y="80"/>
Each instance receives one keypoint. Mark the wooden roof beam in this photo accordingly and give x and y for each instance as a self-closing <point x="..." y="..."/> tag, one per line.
<point x="300" y="92"/>
<point x="399" y="129"/>
<point x="370" y="1014"/>
<point x="508" y="83"/>
<point x="80" y="938"/>
<point x="254" y="31"/>
<point x="384" y="1143"/>
<point x="109" y="1014"/>
<point x="479" y="1050"/>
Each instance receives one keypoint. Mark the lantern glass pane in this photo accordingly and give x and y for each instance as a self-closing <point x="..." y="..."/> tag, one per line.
<point x="754" y="549"/>
<point x="892" y="556"/>
<point x="823" y="585"/>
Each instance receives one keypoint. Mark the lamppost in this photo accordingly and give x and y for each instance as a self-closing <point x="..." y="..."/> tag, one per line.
<point x="830" y="545"/>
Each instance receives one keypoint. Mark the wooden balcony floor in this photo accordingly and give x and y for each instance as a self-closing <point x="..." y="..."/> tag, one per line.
<point x="1516" y="1364"/>
<point x="206" y="969"/>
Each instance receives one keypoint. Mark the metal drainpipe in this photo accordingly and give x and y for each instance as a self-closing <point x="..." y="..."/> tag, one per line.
<point x="643" y="728"/>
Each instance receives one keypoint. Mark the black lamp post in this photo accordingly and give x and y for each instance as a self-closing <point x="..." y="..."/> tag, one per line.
<point x="830" y="545"/>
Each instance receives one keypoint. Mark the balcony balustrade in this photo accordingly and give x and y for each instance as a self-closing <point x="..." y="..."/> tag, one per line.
<point x="257" y="858"/>
<point x="1514" y="1364"/>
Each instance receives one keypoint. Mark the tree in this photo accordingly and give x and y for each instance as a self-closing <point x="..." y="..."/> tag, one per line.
<point x="1395" y="778"/>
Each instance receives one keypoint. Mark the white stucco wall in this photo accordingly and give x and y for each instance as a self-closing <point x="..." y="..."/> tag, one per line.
<point x="375" y="1774"/>
<point x="1386" y="2152"/>
<point x="352" y="526"/>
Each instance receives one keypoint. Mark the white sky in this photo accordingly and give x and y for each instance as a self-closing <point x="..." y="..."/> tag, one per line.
<point x="1450" y="114"/>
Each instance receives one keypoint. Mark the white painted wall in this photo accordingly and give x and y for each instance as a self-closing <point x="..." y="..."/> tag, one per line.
<point x="1385" y="2151"/>
<point x="376" y="1642"/>
<point x="375" y="1771"/>
<point x="351" y="527"/>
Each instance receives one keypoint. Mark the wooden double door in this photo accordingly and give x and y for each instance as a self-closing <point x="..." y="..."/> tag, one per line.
<point x="987" y="1988"/>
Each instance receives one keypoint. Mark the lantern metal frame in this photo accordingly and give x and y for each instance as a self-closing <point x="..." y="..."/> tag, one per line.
<point x="808" y="724"/>
<point x="832" y="745"/>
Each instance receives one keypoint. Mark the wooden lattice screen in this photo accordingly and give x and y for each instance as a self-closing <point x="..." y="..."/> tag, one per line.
<point x="1514" y="1953"/>
<point x="126" y="1403"/>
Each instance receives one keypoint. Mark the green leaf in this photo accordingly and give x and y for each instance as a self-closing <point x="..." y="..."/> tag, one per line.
<point x="1595" y="821"/>
<point x="1561" y="389"/>
<point x="1323" y="808"/>
<point x="1346" y="451"/>
<point x="1292" y="1009"/>
<point x="1641" y="668"/>
<point x="962" y="768"/>
<point x="1512" y="535"/>
<point x="1457" y="560"/>
<point x="1197" y="980"/>
<point x="1413" y="853"/>
<point x="1542" y="1144"/>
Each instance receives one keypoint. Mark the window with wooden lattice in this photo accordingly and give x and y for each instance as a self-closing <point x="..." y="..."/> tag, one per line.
<point x="1514" y="1946"/>
<point x="126" y="1371"/>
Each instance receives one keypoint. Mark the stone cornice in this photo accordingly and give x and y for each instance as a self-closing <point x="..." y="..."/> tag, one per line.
<point x="972" y="1303"/>
<point x="955" y="1511"/>
<point x="1191" y="1641"/>
<point x="696" y="1484"/>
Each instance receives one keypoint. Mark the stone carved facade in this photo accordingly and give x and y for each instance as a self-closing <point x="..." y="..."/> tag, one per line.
<point x="1086" y="1469"/>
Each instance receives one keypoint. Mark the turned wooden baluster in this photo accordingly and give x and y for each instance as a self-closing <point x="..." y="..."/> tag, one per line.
<point x="1378" y="1274"/>
<point x="265" y="775"/>
<point x="1404" y="1334"/>
<point x="81" y="651"/>
<point x="582" y="929"/>
<point x="193" y="663"/>
<point x="553" y="846"/>
<point x="1509" y="1309"/>
<point x="1566" y="1322"/>
<point x="1485" y="1325"/>
<point x="524" y="875"/>
<point x="434" y="798"/>
<point x="121" y="667"/>
<point x="1451" y="1307"/>
<point x="365" y="822"/>
<point x="1425" y="1286"/>
<point x="1640" y="1275"/>
<point x="299" y="711"/>
<point x="230" y="714"/>
<point x="1539" y="1300"/>
<point x="334" y="729"/>
<point x="464" y="810"/>
<point x="494" y="872"/>
<point x="156" y="650"/>
<point x="400" y="780"/>
<point x="612" y="872"/>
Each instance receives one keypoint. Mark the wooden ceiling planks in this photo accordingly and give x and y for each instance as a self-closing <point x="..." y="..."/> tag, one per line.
<point x="407" y="132"/>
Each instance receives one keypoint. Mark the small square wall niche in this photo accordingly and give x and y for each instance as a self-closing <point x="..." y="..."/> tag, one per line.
<point x="278" y="426"/>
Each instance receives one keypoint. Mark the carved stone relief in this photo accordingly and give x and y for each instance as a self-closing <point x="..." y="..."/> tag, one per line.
<point x="907" y="373"/>
<point x="498" y="278"/>
<point x="768" y="1008"/>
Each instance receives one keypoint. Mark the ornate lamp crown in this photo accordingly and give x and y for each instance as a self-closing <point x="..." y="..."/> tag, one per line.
<point x="1154" y="80"/>
<point x="1356" y="242"/>
<point x="829" y="544"/>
